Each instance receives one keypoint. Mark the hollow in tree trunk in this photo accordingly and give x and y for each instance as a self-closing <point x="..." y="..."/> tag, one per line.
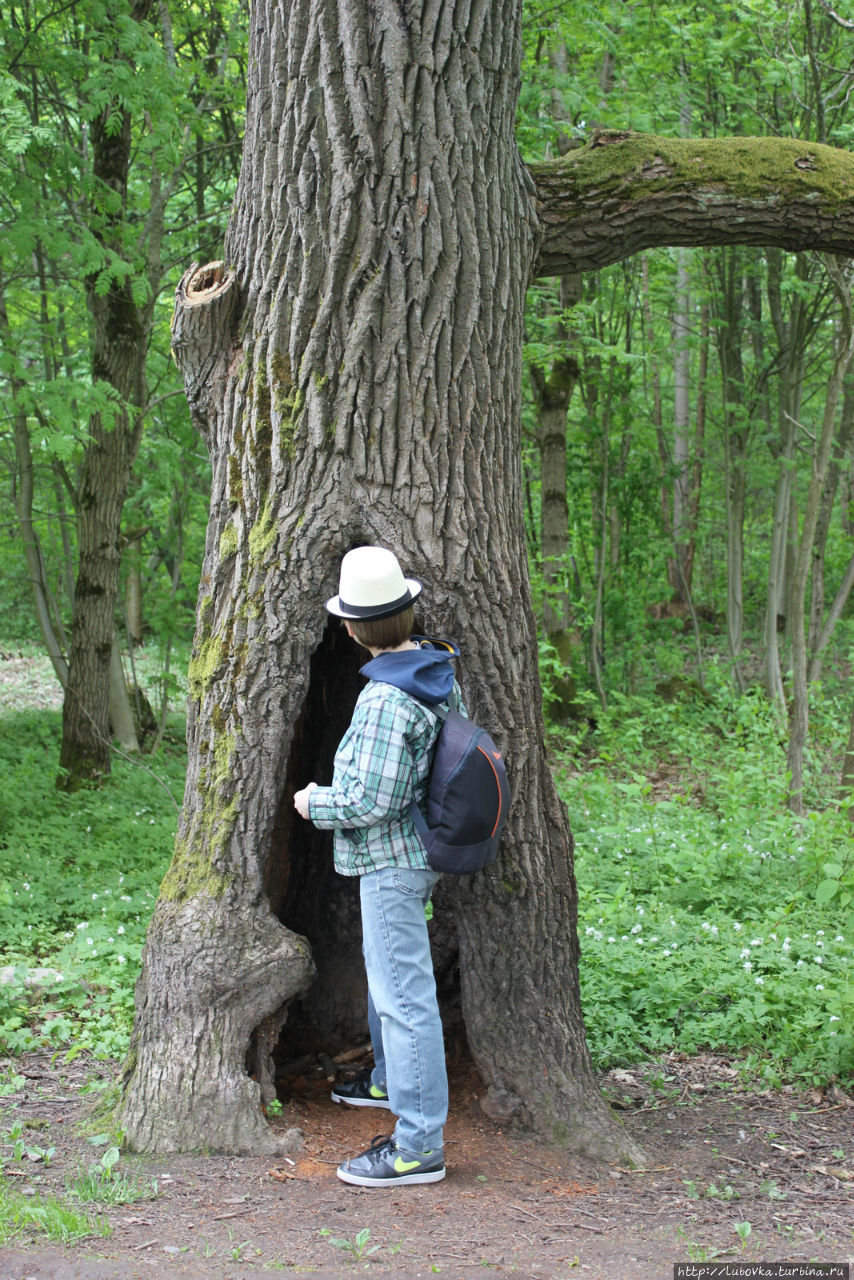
<point x="357" y="378"/>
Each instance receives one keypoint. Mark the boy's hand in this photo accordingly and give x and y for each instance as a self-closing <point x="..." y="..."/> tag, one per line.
<point x="301" y="799"/>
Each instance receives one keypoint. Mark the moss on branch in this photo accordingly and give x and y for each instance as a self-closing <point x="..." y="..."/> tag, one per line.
<point x="627" y="191"/>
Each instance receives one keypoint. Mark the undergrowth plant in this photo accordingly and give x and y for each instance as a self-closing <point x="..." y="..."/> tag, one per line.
<point x="358" y="1248"/>
<point x="103" y="1183"/>
<point x="82" y="873"/>
<point x="706" y="914"/>
<point x="24" y="1218"/>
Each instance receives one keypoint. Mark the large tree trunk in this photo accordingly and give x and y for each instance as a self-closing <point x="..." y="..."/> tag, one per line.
<point x="359" y="381"/>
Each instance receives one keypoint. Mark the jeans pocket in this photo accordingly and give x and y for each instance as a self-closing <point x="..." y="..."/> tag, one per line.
<point x="414" y="881"/>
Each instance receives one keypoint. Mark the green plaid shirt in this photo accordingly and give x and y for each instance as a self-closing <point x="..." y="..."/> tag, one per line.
<point x="382" y="762"/>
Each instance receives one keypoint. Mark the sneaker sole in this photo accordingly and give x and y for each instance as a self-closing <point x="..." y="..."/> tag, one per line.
<point x="361" y="1102"/>
<point x="399" y="1180"/>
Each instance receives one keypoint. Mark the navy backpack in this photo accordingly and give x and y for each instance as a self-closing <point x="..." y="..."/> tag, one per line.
<point x="468" y="798"/>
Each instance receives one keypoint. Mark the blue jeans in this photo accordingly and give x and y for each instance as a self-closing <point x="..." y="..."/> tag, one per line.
<point x="403" y="1012"/>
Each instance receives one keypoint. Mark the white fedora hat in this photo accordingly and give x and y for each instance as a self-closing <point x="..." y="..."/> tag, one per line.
<point x="372" y="585"/>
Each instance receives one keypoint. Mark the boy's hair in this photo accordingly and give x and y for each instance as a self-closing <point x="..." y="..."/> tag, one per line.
<point x="383" y="633"/>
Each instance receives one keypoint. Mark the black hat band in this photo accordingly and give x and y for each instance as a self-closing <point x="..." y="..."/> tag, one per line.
<point x="376" y="611"/>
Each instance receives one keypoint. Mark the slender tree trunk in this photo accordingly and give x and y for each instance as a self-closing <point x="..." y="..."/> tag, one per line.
<point x="358" y="380"/>
<point x="799" y="713"/>
<point x="552" y="394"/>
<point x="600" y="512"/>
<point x="694" y="480"/>
<point x="85" y="750"/>
<point x="735" y="453"/>
<point x="791" y="343"/>
<point x="652" y="372"/>
<point x="819" y="631"/>
<point x="847" y="779"/>
<point x="121" y="711"/>
<point x="735" y="555"/>
<point x="777" y="571"/>
<point x="120" y="343"/>
<point x="847" y="500"/>
<point x="681" y="329"/>
<point x="24" y="485"/>
<point x="133" y="591"/>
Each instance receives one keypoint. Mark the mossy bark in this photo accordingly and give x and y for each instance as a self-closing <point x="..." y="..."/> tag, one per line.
<point x="625" y="192"/>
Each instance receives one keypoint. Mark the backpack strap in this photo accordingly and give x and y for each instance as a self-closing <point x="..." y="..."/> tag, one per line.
<point x="442" y="713"/>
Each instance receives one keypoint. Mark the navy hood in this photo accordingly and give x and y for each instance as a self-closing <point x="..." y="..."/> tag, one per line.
<point x="425" y="673"/>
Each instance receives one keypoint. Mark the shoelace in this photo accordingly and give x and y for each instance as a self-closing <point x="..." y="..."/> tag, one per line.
<point x="380" y="1146"/>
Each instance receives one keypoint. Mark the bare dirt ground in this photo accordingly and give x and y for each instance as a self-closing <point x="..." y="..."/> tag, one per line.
<point x="718" y="1155"/>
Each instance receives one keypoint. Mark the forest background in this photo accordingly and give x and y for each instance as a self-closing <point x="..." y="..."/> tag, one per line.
<point x="688" y="472"/>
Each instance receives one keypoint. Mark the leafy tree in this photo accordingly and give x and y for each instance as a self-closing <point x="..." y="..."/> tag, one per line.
<point x="114" y="122"/>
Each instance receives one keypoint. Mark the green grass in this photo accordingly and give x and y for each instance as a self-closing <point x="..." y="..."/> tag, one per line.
<point x="24" y="1218"/>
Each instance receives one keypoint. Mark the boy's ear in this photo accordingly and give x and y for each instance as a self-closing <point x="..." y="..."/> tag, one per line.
<point x="348" y="628"/>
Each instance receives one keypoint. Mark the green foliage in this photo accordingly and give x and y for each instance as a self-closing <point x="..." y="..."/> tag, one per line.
<point x="358" y="1248"/>
<point x="177" y="86"/>
<point x="83" y="873"/>
<point x="704" y="913"/>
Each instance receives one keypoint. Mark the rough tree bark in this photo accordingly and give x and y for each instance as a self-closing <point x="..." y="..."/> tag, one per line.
<point x="356" y="374"/>
<point x="625" y="192"/>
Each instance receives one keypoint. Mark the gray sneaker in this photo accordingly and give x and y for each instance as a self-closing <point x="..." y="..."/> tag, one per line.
<point x="385" y="1165"/>
<point x="361" y="1093"/>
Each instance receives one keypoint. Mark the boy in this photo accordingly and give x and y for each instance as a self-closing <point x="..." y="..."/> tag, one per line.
<point x="383" y="762"/>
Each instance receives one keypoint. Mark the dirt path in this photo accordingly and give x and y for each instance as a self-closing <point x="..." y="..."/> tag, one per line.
<point x="718" y="1156"/>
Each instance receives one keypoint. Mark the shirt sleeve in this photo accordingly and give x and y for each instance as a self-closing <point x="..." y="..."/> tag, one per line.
<point x="373" y="777"/>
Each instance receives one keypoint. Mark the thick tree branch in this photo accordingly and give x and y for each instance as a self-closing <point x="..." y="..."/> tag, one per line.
<point x="625" y="192"/>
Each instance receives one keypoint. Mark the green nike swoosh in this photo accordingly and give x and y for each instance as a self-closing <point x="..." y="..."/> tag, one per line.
<point x="403" y="1166"/>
